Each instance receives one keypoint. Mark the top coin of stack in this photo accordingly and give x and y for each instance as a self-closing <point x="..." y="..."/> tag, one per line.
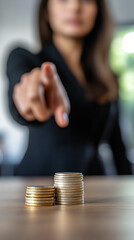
<point x="40" y="196"/>
<point x="69" y="188"/>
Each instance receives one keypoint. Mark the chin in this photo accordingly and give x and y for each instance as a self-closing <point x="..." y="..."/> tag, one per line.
<point x="76" y="34"/>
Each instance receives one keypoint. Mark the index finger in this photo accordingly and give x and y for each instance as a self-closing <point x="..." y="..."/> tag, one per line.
<point x="48" y="71"/>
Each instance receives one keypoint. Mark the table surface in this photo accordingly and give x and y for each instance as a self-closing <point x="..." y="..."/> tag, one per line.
<point x="108" y="212"/>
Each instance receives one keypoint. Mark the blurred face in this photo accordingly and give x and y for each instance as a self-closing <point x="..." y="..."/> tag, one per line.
<point x="72" y="18"/>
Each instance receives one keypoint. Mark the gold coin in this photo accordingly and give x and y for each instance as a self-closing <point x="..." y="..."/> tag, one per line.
<point x="39" y="195"/>
<point x="40" y="187"/>
<point x="38" y="205"/>
<point x="49" y="198"/>
<point x="40" y="202"/>
<point x="40" y="191"/>
<point x="40" y="199"/>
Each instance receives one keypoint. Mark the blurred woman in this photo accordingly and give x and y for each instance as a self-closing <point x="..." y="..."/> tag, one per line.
<point x="67" y="94"/>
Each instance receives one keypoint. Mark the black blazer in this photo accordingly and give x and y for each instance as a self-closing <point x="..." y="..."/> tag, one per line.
<point x="74" y="148"/>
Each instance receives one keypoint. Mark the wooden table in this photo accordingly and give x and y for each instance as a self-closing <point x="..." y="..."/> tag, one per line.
<point x="108" y="212"/>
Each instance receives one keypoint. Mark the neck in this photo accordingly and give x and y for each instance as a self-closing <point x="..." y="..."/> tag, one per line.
<point x="70" y="48"/>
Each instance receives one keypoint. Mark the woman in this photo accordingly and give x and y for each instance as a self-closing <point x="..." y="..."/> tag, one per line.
<point x="67" y="94"/>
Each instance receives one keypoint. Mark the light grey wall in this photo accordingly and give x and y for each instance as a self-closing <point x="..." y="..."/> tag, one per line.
<point x="122" y="10"/>
<point x="17" y="26"/>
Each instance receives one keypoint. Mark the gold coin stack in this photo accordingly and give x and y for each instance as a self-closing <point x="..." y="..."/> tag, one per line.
<point x="40" y="196"/>
<point x="69" y="188"/>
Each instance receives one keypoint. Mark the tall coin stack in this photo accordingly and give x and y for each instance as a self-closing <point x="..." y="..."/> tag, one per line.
<point x="40" y="196"/>
<point x="69" y="188"/>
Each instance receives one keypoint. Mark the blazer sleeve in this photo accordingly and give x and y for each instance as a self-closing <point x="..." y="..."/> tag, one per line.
<point x="118" y="148"/>
<point x="19" y="62"/>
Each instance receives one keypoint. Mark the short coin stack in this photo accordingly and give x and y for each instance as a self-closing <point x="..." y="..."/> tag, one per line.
<point x="69" y="188"/>
<point x="40" y="196"/>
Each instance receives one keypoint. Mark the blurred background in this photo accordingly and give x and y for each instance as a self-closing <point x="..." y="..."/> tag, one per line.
<point x="18" y="27"/>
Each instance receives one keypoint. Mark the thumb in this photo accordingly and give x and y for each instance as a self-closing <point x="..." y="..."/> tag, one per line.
<point x="61" y="116"/>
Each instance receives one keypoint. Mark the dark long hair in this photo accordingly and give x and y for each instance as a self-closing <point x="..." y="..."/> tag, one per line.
<point x="102" y="82"/>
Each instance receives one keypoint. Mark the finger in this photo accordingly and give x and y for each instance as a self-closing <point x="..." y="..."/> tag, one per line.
<point x="36" y="96"/>
<point x="29" y="116"/>
<point x="58" y="99"/>
<point x="62" y="111"/>
<point x="48" y="72"/>
<point x="21" y="103"/>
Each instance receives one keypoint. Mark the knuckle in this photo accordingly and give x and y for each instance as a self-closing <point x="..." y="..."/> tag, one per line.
<point x="25" y="110"/>
<point x="44" y="118"/>
<point x="24" y="77"/>
<point x="29" y="118"/>
<point x="33" y="97"/>
<point x="35" y="70"/>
